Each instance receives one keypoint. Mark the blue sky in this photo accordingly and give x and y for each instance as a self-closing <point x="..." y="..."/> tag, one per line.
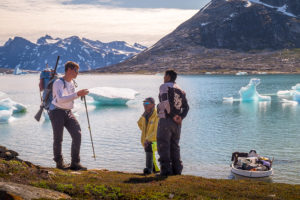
<point x="142" y="21"/>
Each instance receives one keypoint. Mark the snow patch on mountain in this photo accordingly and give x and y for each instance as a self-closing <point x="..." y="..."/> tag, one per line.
<point x="279" y="9"/>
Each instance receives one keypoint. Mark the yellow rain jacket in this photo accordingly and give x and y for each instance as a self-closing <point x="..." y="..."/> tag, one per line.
<point x="148" y="131"/>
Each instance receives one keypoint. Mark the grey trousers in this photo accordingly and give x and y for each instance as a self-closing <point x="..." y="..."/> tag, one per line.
<point x="60" y="119"/>
<point x="168" y="136"/>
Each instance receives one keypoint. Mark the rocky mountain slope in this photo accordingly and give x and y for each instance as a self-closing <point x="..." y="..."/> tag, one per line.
<point x="227" y="35"/>
<point x="19" y="52"/>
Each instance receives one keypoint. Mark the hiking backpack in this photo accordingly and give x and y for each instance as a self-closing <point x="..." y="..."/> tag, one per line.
<point x="48" y="94"/>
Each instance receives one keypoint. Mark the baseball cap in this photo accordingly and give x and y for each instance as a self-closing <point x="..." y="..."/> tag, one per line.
<point x="150" y="99"/>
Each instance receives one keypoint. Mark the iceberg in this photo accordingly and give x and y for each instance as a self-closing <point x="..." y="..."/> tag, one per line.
<point x="249" y="93"/>
<point x="294" y="93"/>
<point x="8" y="104"/>
<point x="111" y="95"/>
<point x="296" y="96"/>
<point x="284" y="93"/>
<point x="5" y="116"/>
<point x="241" y="73"/>
<point x="8" y="107"/>
<point x="18" y="71"/>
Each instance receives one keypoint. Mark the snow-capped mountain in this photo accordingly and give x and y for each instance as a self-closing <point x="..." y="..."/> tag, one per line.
<point x="19" y="52"/>
<point x="227" y="35"/>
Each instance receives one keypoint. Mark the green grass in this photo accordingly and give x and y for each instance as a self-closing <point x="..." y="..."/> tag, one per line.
<point x="101" y="184"/>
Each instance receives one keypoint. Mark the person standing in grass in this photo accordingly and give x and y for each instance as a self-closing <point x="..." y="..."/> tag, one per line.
<point x="61" y="116"/>
<point x="148" y="125"/>
<point x="172" y="109"/>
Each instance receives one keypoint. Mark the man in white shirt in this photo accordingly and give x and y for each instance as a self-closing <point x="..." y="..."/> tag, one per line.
<point x="61" y="116"/>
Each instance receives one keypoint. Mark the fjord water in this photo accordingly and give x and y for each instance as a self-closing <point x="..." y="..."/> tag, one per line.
<point x="212" y="130"/>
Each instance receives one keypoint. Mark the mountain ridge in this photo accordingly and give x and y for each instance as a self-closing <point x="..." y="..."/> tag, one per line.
<point x="90" y="54"/>
<point x="220" y="36"/>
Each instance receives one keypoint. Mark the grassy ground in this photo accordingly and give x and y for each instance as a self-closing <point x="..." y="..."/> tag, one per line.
<point x="102" y="184"/>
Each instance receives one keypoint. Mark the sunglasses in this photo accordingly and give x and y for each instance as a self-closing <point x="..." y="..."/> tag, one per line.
<point x="146" y="103"/>
<point x="75" y="69"/>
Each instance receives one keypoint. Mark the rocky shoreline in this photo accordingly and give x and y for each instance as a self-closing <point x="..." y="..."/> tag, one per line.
<point x="22" y="180"/>
<point x="16" y="190"/>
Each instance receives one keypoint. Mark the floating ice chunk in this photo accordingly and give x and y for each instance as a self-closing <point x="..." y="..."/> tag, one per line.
<point x="17" y="71"/>
<point x="296" y="96"/>
<point x="289" y="102"/>
<point x="249" y="93"/>
<point x="8" y="104"/>
<point x="111" y="95"/>
<point x="241" y="73"/>
<point x="284" y="93"/>
<point x="293" y="93"/>
<point x="5" y="115"/>
<point x="296" y="87"/>
<point x="228" y="99"/>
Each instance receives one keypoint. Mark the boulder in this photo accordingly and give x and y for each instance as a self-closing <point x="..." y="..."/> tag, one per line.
<point x="16" y="191"/>
<point x="8" y="154"/>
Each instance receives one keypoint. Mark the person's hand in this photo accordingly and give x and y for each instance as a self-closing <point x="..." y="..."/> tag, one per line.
<point x="83" y="92"/>
<point x="146" y="143"/>
<point x="177" y="119"/>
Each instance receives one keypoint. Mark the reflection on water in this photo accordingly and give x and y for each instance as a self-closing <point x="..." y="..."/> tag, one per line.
<point x="212" y="130"/>
<point x="254" y="107"/>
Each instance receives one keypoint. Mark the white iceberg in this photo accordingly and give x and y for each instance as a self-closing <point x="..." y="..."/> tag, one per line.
<point x="111" y="95"/>
<point x="5" y="116"/>
<point x="296" y="87"/>
<point x="8" y="107"/>
<point x="249" y="93"/>
<point x="294" y="93"/>
<point x="296" y="96"/>
<point x="18" y="71"/>
<point x="241" y="73"/>
<point x="284" y="93"/>
<point x="8" y="104"/>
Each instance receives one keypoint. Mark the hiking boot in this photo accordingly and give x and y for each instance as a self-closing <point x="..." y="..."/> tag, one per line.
<point x="62" y="165"/>
<point x="147" y="171"/>
<point x="77" y="167"/>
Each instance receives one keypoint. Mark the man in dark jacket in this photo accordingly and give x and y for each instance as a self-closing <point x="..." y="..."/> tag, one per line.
<point x="172" y="109"/>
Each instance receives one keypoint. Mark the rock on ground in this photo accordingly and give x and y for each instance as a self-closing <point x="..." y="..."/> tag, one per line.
<point x="16" y="191"/>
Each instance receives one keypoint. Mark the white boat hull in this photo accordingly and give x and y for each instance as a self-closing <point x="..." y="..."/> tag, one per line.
<point x="251" y="174"/>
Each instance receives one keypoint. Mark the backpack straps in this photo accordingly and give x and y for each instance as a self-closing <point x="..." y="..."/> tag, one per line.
<point x="63" y="80"/>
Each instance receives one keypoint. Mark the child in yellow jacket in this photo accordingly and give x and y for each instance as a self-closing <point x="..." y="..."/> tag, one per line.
<point x="148" y="123"/>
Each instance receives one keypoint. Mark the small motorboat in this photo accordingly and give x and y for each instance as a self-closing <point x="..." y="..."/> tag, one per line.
<point x="251" y="165"/>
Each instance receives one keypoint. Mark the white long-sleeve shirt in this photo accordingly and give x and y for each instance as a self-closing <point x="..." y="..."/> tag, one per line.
<point x="63" y="96"/>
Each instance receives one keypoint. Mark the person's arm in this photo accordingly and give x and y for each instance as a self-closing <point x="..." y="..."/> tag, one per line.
<point x="140" y="123"/>
<point x="152" y="136"/>
<point x="58" y="88"/>
<point x="185" y="107"/>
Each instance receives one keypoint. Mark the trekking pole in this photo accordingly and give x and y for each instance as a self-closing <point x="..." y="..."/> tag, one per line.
<point x="88" y="119"/>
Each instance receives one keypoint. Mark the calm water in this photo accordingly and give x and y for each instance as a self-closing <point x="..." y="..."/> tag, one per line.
<point x="210" y="133"/>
